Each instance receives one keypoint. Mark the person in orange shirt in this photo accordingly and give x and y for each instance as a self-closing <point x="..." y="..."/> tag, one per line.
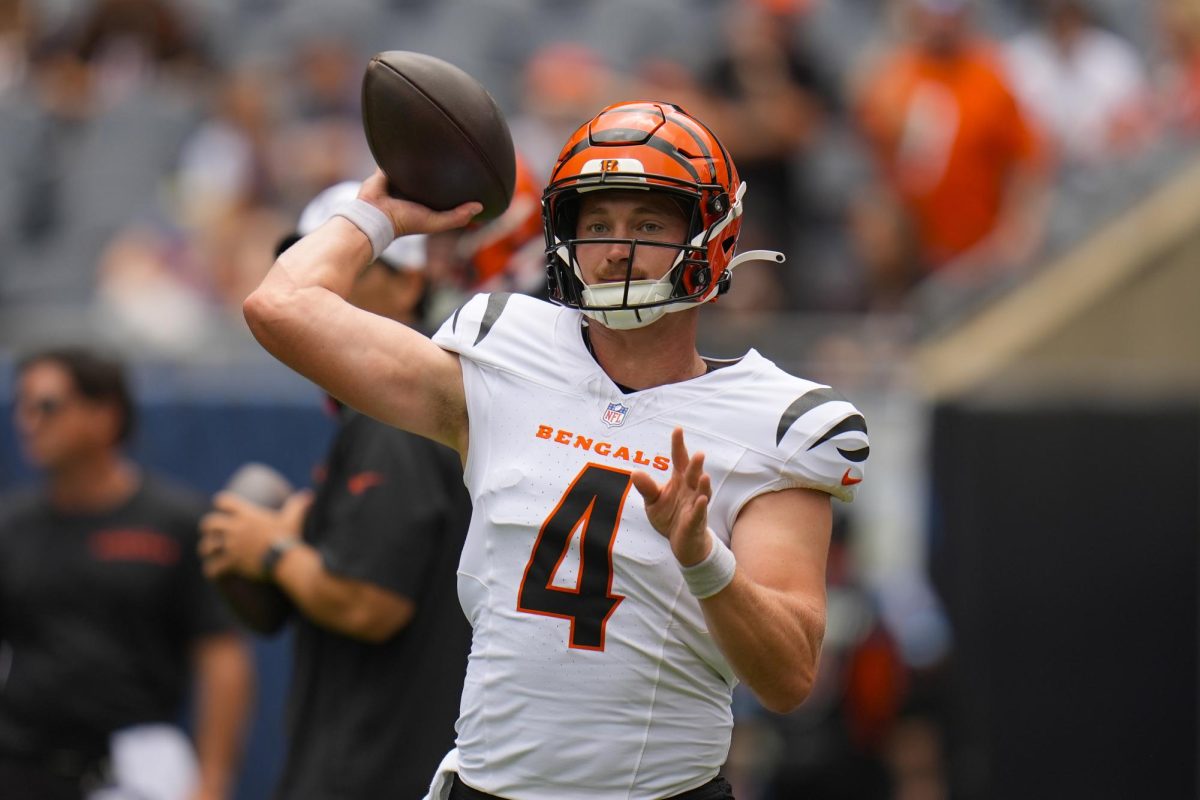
<point x="954" y="145"/>
<point x="1178" y="24"/>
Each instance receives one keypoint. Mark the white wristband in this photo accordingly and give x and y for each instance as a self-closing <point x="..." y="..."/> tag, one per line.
<point x="376" y="225"/>
<point x="713" y="573"/>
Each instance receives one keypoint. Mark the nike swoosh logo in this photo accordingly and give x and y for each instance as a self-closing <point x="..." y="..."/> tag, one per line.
<point x="362" y="481"/>
<point x="850" y="480"/>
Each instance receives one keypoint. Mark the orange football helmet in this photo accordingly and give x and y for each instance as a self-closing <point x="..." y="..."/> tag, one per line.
<point x="659" y="147"/>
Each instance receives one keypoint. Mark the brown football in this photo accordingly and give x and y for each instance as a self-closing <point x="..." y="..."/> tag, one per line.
<point x="436" y="133"/>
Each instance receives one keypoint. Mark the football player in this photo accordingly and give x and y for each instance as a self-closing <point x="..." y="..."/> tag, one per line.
<point x="650" y="526"/>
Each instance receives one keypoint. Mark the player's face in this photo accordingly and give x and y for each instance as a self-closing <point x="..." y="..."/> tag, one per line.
<point x="642" y="215"/>
<point x="54" y="423"/>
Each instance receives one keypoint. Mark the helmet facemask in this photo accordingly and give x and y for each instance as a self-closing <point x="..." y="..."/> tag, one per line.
<point x="630" y="303"/>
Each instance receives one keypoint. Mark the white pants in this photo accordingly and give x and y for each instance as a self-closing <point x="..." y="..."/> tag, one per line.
<point x="150" y="762"/>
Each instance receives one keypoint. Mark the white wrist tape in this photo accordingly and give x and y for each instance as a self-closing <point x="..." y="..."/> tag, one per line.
<point x="713" y="573"/>
<point x="376" y="225"/>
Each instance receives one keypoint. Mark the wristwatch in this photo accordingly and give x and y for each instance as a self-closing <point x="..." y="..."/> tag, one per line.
<point x="275" y="552"/>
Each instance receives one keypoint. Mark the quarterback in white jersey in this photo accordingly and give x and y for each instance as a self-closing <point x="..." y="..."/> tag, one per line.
<point x="591" y="665"/>
<point x="649" y="527"/>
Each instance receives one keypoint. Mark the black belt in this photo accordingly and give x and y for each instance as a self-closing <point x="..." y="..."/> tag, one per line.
<point x="716" y="789"/>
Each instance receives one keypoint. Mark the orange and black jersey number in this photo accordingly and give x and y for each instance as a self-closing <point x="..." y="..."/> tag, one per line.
<point x="590" y="509"/>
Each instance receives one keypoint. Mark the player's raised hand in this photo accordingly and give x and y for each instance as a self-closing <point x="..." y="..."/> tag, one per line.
<point x="679" y="509"/>
<point x="409" y="217"/>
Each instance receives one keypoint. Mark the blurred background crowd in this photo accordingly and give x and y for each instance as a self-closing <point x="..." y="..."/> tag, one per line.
<point x="153" y="149"/>
<point x="919" y="161"/>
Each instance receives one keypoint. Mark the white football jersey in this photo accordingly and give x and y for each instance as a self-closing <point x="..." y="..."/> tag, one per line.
<point x="591" y="673"/>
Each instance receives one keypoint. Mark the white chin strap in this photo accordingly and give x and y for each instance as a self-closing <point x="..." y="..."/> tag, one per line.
<point x="640" y="292"/>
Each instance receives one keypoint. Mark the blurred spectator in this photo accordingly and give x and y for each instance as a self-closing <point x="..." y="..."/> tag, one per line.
<point x="171" y="289"/>
<point x="834" y="747"/>
<point x="104" y="615"/>
<point x="99" y="120"/>
<point x="151" y="292"/>
<point x="279" y="131"/>
<point x="329" y="76"/>
<point x="954" y="144"/>
<point x="226" y="163"/>
<point x="227" y="190"/>
<point x="916" y="758"/>
<point x="562" y="85"/>
<point x="507" y="254"/>
<point x="884" y="245"/>
<point x="1179" y="21"/>
<point x="233" y="252"/>
<point x="1086" y="87"/>
<point x="63" y="103"/>
<point x="16" y="39"/>
<point x="170" y="280"/>
<point x="131" y="43"/>
<point x="768" y="107"/>
<point x="663" y="77"/>
<point x="320" y="141"/>
<point x="380" y="639"/>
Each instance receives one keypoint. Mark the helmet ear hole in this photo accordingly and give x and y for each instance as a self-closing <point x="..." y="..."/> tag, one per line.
<point x="718" y="204"/>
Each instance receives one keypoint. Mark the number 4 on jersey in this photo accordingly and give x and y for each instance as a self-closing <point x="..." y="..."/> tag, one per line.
<point x="590" y="509"/>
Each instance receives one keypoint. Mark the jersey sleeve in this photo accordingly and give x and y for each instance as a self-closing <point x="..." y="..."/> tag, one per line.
<point x="815" y="439"/>
<point x="391" y="504"/>
<point x="823" y="439"/>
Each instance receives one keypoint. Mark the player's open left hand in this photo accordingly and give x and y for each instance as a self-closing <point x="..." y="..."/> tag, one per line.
<point x="679" y="509"/>
<point x="409" y="217"/>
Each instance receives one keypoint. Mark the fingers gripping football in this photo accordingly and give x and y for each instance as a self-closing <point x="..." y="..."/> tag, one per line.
<point x="409" y="217"/>
<point x="678" y="509"/>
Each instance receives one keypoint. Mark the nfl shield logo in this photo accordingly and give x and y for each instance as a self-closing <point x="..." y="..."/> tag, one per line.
<point x="614" y="415"/>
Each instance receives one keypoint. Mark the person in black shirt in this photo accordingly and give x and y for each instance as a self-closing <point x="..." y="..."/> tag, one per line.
<point x="380" y="639"/>
<point x="104" y="614"/>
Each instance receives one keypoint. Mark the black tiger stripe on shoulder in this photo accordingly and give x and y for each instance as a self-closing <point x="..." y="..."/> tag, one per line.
<point x="802" y="405"/>
<point x="495" y="307"/>
<point x="854" y="422"/>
